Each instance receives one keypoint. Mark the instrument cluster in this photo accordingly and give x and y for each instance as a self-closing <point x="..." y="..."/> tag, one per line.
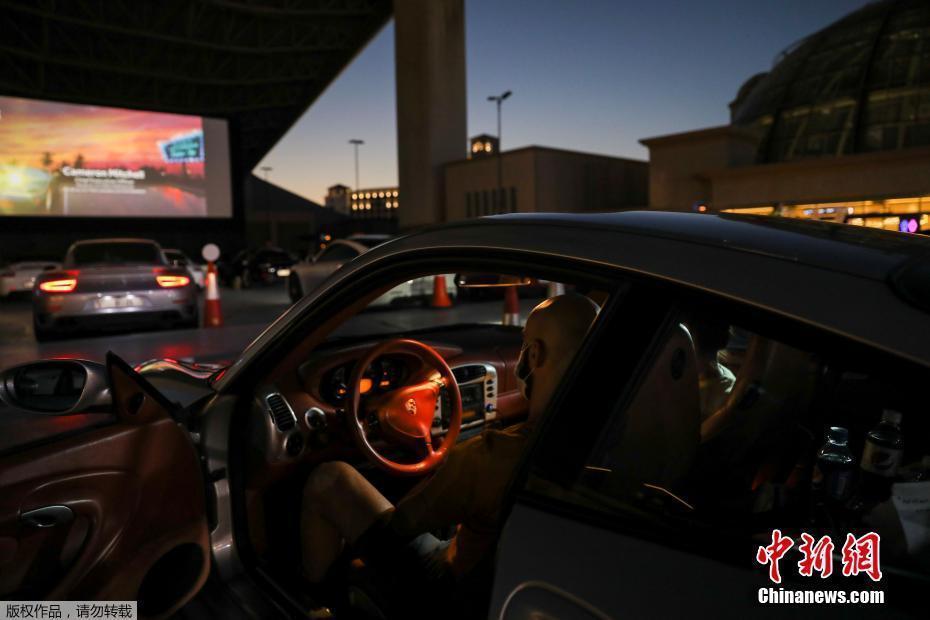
<point x="383" y="375"/>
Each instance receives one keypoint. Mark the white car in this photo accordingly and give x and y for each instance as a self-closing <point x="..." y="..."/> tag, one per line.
<point x="309" y="274"/>
<point x="20" y="277"/>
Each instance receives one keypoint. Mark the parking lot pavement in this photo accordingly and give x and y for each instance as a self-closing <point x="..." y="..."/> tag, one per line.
<point x="246" y="314"/>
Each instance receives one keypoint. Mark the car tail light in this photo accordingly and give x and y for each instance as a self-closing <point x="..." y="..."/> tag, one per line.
<point x="172" y="281"/>
<point x="63" y="285"/>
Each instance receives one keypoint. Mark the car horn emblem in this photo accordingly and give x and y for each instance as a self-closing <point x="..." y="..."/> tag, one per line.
<point x="411" y="406"/>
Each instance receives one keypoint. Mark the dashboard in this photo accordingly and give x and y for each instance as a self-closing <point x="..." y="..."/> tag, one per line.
<point x="299" y="419"/>
<point x="302" y="418"/>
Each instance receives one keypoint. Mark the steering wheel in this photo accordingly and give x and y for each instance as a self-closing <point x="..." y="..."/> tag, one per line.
<point x="405" y="414"/>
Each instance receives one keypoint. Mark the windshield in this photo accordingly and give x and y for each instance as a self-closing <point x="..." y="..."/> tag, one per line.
<point x="115" y="254"/>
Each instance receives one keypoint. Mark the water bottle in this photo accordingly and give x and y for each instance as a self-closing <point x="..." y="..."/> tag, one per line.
<point x="835" y="467"/>
<point x="881" y="457"/>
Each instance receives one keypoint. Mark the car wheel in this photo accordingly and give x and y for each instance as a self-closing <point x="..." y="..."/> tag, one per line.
<point x="294" y="289"/>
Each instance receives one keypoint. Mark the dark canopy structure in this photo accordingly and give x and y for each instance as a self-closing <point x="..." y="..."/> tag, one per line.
<point x="257" y="63"/>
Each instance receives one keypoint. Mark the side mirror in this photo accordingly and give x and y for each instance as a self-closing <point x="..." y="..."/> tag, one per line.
<point x="56" y="386"/>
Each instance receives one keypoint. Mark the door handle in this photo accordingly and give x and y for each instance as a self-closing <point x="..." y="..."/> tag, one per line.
<point x="48" y="516"/>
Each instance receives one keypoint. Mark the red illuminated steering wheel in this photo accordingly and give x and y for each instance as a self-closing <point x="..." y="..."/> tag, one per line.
<point x="405" y="414"/>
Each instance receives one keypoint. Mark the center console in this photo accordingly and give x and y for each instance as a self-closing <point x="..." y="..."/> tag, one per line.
<point x="478" y="387"/>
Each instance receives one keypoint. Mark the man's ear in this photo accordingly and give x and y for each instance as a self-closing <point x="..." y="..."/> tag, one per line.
<point x="537" y="353"/>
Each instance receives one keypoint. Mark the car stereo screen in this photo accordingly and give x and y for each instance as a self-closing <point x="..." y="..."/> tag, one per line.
<point x="69" y="160"/>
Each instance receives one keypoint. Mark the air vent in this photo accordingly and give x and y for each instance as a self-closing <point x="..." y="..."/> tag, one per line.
<point x="281" y="412"/>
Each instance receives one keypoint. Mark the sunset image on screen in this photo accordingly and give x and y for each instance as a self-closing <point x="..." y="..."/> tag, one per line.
<point x="59" y="159"/>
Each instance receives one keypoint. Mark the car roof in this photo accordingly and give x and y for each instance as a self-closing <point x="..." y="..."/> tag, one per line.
<point x="113" y="240"/>
<point x="369" y="236"/>
<point x="835" y="277"/>
<point x="856" y="250"/>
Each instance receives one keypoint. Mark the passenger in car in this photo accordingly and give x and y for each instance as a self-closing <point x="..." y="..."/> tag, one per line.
<point x="341" y="507"/>
<point x="711" y="336"/>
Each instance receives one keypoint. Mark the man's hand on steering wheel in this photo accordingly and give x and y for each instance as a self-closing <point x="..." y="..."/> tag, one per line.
<point x="405" y="414"/>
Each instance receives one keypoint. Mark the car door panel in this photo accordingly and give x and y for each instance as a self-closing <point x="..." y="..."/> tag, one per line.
<point x="137" y="498"/>
<point x="597" y="571"/>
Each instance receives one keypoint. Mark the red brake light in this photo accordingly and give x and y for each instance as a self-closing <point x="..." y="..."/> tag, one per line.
<point x="172" y="281"/>
<point x="64" y="285"/>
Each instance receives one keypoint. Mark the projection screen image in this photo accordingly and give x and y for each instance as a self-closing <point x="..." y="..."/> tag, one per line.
<point x="70" y="160"/>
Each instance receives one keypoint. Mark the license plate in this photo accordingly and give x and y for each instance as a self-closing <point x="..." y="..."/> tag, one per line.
<point x="284" y="272"/>
<point x="105" y="303"/>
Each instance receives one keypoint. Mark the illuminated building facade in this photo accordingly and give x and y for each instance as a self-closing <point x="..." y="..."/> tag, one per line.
<point x="838" y="129"/>
<point x="379" y="203"/>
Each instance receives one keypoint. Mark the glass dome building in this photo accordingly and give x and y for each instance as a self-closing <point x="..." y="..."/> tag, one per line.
<point x="838" y="128"/>
<point x="860" y="85"/>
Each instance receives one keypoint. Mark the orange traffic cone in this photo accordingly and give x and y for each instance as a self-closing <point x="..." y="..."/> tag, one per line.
<point x="212" y="312"/>
<point x="511" y="307"/>
<point x="440" y="294"/>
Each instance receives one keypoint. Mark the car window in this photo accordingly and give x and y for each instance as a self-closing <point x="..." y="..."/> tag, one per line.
<point x="725" y="428"/>
<point x="337" y="252"/>
<point x="177" y="257"/>
<point x="434" y="301"/>
<point x="115" y="254"/>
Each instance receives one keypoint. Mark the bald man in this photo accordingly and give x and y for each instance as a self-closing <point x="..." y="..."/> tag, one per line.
<point x="341" y="507"/>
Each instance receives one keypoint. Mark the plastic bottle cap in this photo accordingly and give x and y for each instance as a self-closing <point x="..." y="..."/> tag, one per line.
<point x="838" y="434"/>
<point x="891" y="416"/>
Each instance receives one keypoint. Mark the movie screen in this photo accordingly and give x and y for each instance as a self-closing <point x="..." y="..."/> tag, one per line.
<point x="69" y="160"/>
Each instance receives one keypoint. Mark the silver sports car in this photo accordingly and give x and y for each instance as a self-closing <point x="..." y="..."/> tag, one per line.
<point x="113" y="284"/>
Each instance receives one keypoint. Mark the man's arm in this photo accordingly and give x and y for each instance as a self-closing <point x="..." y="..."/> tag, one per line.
<point x="442" y="499"/>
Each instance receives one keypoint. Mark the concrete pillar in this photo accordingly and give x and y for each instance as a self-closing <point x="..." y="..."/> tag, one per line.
<point x="429" y="51"/>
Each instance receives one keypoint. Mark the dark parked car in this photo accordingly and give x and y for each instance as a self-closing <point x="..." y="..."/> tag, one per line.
<point x="257" y="266"/>
<point x="637" y="495"/>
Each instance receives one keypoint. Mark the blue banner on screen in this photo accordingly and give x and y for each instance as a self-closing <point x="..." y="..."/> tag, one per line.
<point x="69" y="160"/>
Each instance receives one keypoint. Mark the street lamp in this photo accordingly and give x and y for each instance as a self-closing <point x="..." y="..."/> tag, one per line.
<point x="266" y="170"/>
<point x="355" y="142"/>
<point x="499" y="99"/>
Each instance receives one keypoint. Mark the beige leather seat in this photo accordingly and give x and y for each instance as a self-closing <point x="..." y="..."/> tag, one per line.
<point x="656" y="442"/>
